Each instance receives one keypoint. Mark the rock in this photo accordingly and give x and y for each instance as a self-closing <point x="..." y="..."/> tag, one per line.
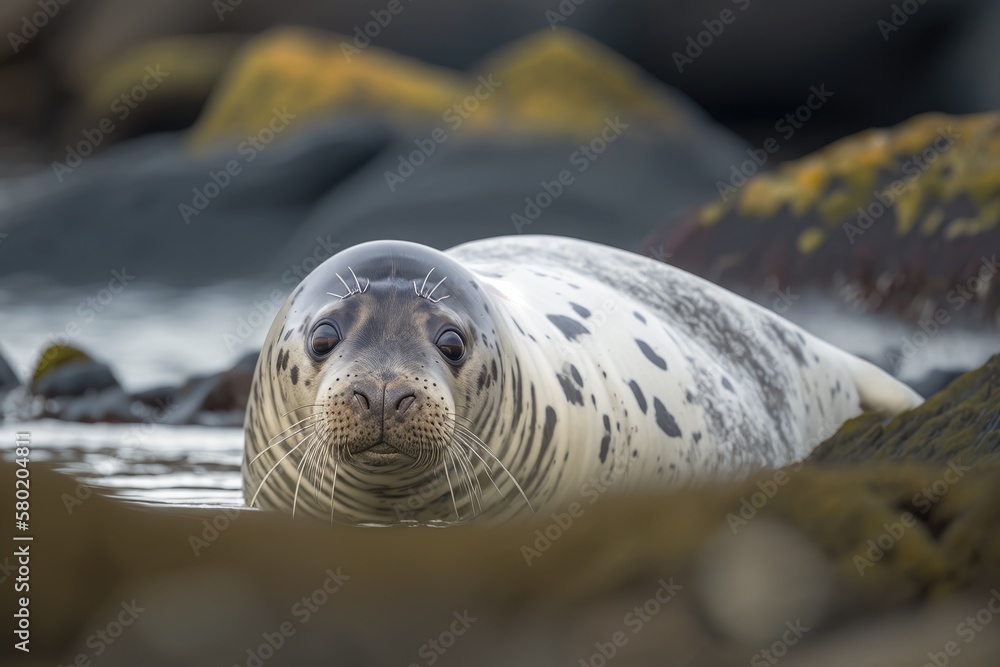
<point x="8" y="378"/>
<point x="66" y="371"/>
<point x="853" y="559"/>
<point x="904" y="220"/>
<point x="216" y="400"/>
<point x="958" y="426"/>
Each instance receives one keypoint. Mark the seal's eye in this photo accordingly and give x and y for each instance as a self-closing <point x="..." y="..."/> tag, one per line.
<point x="324" y="338"/>
<point x="451" y="345"/>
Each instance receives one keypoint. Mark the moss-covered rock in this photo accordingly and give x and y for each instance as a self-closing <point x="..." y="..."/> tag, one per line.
<point x="904" y="220"/>
<point x="959" y="424"/>
<point x="64" y="370"/>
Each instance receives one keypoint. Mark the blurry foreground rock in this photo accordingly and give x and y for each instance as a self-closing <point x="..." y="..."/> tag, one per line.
<point x="904" y="220"/>
<point x="815" y="563"/>
<point x="77" y="388"/>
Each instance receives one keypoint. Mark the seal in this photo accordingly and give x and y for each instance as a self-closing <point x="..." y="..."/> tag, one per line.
<point x="401" y="383"/>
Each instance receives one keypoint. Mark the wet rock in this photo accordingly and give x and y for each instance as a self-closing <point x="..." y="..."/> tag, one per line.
<point x="960" y="425"/>
<point x="903" y="220"/>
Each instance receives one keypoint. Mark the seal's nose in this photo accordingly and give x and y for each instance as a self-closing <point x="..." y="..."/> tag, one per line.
<point x="375" y="400"/>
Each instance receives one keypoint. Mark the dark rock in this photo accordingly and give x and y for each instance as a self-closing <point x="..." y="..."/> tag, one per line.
<point x="8" y="378"/>
<point x="65" y="371"/>
<point x="961" y="424"/>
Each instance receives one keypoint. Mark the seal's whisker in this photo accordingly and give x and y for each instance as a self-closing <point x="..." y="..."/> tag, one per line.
<point x="467" y="462"/>
<point x="333" y="490"/>
<point x="476" y="440"/>
<point x="280" y="442"/>
<point x="466" y="480"/>
<point x="356" y="281"/>
<point x="263" y="451"/>
<point x="291" y="426"/>
<point x="486" y="465"/>
<point x="431" y="293"/>
<point x="421" y="292"/>
<point x="253" y="501"/>
<point x="302" y="407"/>
<point x="451" y="489"/>
<point x="301" y="468"/>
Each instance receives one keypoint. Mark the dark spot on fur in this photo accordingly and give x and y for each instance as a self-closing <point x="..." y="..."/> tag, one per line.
<point x="580" y="310"/>
<point x="697" y="436"/>
<point x="665" y="420"/>
<point x="573" y="394"/>
<point x="568" y="326"/>
<point x="295" y="374"/>
<point x="288" y="334"/>
<point x="639" y="398"/>
<point x="576" y="374"/>
<point x="639" y="317"/>
<point x="606" y="440"/>
<point x="728" y="385"/>
<point x="688" y="396"/>
<point x="652" y="356"/>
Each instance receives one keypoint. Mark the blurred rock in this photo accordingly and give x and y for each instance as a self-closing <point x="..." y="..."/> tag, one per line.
<point x="299" y="154"/>
<point x="84" y="390"/>
<point x="8" y="378"/>
<point x="904" y="220"/>
<point x="960" y="426"/>
<point x="65" y="371"/>
<point x="646" y="566"/>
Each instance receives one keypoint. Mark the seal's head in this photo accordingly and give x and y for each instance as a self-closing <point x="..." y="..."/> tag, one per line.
<point x="380" y="355"/>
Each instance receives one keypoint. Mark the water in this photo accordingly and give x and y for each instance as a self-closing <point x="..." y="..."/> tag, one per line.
<point x="153" y="336"/>
<point x="194" y="466"/>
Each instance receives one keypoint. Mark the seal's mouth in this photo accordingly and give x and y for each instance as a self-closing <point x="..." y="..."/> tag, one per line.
<point x="381" y="454"/>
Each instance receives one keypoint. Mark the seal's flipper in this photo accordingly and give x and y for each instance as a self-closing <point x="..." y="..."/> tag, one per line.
<point x="879" y="391"/>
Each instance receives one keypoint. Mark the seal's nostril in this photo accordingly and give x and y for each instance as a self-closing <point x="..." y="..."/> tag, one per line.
<point x="405" y="403"/>
<point x="362" y="400"/>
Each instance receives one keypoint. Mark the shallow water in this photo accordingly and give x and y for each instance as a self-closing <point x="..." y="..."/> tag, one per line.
<point x="194" y="466"/>
<point x="154" y="336"/>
